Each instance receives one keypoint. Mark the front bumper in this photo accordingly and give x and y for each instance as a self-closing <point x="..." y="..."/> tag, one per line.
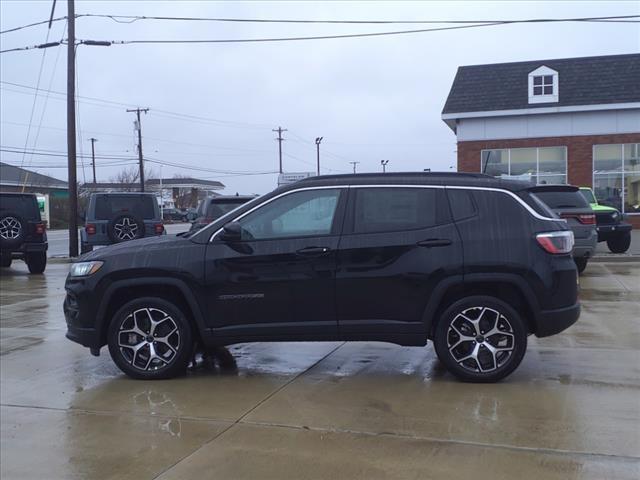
<point x="551" y="322"/>
<point x="606" y="232"/>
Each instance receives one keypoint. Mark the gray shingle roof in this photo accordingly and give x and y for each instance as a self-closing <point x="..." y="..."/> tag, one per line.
<point x="582" y="81"/>
<point x="11" y="175"/>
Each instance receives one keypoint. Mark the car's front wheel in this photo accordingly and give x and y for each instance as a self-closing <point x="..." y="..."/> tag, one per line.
<point x="150" y="338"/>
<point x="480" y="339"/>
<point x="619" y="243"/>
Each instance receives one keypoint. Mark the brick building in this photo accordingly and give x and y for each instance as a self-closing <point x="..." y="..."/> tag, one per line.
<point x="574" y="120"/>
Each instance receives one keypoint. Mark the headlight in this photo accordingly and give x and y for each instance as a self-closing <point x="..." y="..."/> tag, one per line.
<point x="614" y="215"/>
<point x="83" y="269"/>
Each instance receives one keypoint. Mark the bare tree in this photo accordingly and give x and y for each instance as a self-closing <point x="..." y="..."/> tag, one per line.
<point x="129" y="178"/>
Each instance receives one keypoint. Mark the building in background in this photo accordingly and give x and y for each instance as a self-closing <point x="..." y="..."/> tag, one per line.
<point x="16" y="179"/>
<point x="574" y="120"/>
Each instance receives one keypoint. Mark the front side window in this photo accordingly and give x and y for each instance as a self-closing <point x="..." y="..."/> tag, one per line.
<point x="394" y="209"/>
<point x="616" y="176"/>
<point x="540" y="165"/>
<point x="298" y="214"/>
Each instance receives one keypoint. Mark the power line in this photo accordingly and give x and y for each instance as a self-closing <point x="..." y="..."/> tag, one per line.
<point x="15" y="29"/>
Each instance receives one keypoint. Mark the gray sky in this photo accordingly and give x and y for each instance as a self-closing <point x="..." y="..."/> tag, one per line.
<point x="370" y="98"/>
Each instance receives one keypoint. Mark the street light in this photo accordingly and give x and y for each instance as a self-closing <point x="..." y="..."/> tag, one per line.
<point x="318" y="140"/>
<point x="384" y="165"/>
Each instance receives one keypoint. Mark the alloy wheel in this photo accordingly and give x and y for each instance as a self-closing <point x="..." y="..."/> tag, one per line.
<point x="126" y="229"/>
<point x="480" y="339"/>
<point x="10" y="228"/>
<point x="149" y="339"/>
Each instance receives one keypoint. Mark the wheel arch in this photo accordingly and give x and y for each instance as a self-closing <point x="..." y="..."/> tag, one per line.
<point x="122" y="291"/>
<point x="509" y="288"/>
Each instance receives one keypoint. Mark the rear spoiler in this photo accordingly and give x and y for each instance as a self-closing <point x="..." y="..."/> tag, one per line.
<point x="553" y="188"/>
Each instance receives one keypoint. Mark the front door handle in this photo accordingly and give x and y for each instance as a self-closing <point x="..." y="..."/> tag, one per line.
<point x="312" y="251"/>
<point x="435" y="242"/>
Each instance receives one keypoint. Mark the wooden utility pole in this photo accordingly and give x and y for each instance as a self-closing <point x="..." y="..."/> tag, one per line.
<point x="71" y="129"/>
<point x="140" y="160"/>
<point x="280" y="139"/>
<point x="93" y="159"/>
<point x="354" y="166"/>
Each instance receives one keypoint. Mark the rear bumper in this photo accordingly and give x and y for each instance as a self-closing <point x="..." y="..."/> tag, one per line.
<point x="551" y="322"/>
<point x="585" y="247"/>
<point x="27" y="248"/>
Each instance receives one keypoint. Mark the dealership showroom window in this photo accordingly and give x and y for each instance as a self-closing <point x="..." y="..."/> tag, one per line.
<point x="616" y="176"/>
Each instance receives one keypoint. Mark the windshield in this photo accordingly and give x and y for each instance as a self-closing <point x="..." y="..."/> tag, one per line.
<point x="23" y="205"/>
<point x="568" y="199"/>
<point x="588" y="196"/>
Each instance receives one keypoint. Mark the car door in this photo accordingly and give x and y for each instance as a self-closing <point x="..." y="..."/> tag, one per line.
<point x="398" y="243"/>
<point x="279" y="279"/>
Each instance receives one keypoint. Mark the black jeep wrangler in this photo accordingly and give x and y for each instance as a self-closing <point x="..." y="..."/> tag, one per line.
<point x="22" y="232"/>
<point x="474" y="263"/>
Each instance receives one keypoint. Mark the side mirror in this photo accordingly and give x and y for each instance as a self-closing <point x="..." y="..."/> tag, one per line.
<point x="231" y="232"/>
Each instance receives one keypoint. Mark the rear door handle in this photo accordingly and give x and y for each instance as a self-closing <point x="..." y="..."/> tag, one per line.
<point x="312" y="251"/>
<point x="435" y="242"/>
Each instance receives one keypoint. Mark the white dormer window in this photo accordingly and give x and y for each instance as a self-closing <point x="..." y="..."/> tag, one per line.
<point x="543" y="85"/>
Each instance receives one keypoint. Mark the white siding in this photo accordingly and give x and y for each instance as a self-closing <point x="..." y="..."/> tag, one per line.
<point x="549" y="125"/>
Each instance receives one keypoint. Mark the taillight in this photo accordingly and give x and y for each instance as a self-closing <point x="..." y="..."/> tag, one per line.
<point x="90" y="229"/>
<point x="40" y="228"/>
<point x="558" y="243"/>
<point x="588" y="219"/>
<point x="159" y="228"/>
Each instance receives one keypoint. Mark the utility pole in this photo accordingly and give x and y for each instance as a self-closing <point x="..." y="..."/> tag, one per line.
<point x="384" y="165"/>
<point x="318" y="140"/>
<point x="71" y="129"/>
<point x="93" y="159"/>
<point x="354" y="166"/>
<point x="280" y="139"/>
<point x="137" y="111"/>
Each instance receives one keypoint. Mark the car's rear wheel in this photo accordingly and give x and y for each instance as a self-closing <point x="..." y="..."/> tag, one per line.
<point x="620" y="243"/>
<point x="150" y="338"/>
<point x="480" y="339"/>
<point x="36" y="261"/>
<point x="581" y="263"/>
<point x="5" y="260"/>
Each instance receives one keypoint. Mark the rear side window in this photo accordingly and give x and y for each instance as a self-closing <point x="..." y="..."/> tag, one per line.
<point x="393" y="209"/>
<point x="110" y="206"/>
<point x="23" y="205"/>
<point x="462" y="205"/>
<point x="563" y="199"/>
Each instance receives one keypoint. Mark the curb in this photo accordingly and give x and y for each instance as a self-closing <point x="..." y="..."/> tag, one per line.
<point x="613" y="258"/>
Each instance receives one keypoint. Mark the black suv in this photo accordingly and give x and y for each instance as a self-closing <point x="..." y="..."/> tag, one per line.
<point x="474" y="263"/>
<point x="210" y="209"/>
<point x="22" y="232"/>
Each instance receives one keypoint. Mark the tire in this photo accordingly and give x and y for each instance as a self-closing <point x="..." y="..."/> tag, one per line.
<point x="36" y="262"/>
<point x="84" y="248"/>
<point x="12" y="230"/>
<point x="491" y="313"/>
<point x="5" y="260"/>
<point x="123" y="228"/>
<point x="173" y="352"/>
<point x="581" y="263"/>
<point x="620" y="243"/>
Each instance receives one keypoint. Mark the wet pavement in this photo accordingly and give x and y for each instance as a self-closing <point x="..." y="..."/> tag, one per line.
<point x="321" y="410"/>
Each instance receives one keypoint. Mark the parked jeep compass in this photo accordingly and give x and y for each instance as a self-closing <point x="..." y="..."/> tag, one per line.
<point x="474" y="263"/>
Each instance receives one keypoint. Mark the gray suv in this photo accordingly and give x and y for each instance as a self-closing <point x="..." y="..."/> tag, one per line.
<point x="119" y="217"/>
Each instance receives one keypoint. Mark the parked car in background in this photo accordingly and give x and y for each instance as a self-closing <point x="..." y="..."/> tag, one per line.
<point x="174" y="215"/>
<point x="212" y="208"/>
<point x="567" y="202"/>
<point x="120" y="217"/>
<point x="22" y="232"/>
<point x="474" y="263"/>
<point x="610" y="224"/>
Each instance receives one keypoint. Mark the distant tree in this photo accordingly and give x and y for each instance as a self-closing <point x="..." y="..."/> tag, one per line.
<point x="130" y="177"/>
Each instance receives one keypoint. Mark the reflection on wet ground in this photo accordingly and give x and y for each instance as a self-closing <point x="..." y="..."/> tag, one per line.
<point x="319" y="410"/>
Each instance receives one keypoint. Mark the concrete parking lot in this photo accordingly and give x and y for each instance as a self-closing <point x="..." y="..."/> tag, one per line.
<point x="322" y="410"/>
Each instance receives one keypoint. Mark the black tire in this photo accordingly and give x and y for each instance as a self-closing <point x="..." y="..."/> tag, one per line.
<point x="581" y="263"/>
<point x="620" y="243"/>
<point x="12" y="230"/>
<point x="142" y="365"/>
<point x="36" y="262"/>
<point x="5" y="260"/>
<point x="84" y="248"/>
<point x="487" y="311"/>
<point x="127" y="221"/>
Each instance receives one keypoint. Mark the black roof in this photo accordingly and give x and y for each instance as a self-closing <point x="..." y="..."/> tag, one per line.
<point x="413" y="178"/>
<point x="582" y="81"/>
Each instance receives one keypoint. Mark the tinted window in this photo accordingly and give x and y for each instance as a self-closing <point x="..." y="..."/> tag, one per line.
<point x="221" y="207"/>
<point x="563" y="199"/>
<point x="22" y="205"/>
<point x="462" y="205"/>
<point x="109" y="206"/>
<point x="588" y="196"/>
<point x="295" y="215"/>
<point x="393" y="209"/>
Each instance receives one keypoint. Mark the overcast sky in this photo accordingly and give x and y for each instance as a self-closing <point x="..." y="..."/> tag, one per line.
<point x="370" y="98"/>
